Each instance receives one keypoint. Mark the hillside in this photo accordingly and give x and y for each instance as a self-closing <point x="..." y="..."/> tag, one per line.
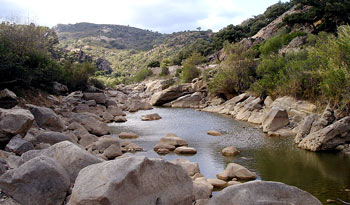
<point x="127" y="49"/>
<point x="111" y="36"/>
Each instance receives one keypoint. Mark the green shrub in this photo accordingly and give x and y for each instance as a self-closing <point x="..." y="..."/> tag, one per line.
<point x="178" y="72"/>
<point x="97" y="83"/>
<point x="153" y="64"/>
<point x="142" y="74"/>
<point x="77" y="75"/>
<point x="165" y="71"/>
<point x="236" y="73"/>
<point x="190" y="70"/>
<point x="271" y="46"/>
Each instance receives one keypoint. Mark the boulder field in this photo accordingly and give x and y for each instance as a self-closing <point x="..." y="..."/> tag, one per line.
<point x="61" y="151"/>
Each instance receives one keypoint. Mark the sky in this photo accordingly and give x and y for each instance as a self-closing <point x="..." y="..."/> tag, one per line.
<point x="165" y="16"/>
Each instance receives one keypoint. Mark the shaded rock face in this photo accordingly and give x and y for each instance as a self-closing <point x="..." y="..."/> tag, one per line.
<point x="14" y="121"/>
<point x="275" y="119"/>
<point x="51" y="137"/>
<point x="100" y="98"/>
<point x="46" y="118"/>
<point x="305" y="128"/>
<point x="71" y="157"/>
<point x="170" y="94"/>
<point x="8" y="99"/>
<point x="188" y="101"/>
<point x="133" y="180"/>
<point x="329" y="137"/>
<point x="18" y="145"/>
<point x="263" y="192"/>
<point x="59" y="88"/>
<point x="39" y="181"/>
<point x="103" y="65"/>
<point x="73" y="97"/>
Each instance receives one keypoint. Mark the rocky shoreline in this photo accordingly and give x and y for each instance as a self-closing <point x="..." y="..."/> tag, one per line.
<point x="60" y="151"/>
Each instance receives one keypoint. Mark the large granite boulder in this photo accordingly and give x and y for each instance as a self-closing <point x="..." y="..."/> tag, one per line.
<point x="46" y="118"/>
<point x="71" y="157"/>
<point x="188" y="101"/>
<point x="14" y="121"/>
<point x="329" y="137"/>
<point x="100" y="98"/>
<point x="51" y="137"/>
<point x="8" y="99"/>
<point x="73" y="98"/>
<point x="263" y="192"/>
<point x="170" y="94"/>
<point x="39" y="181"/>
<point x="305" y="127"/>
<point x="133" y="180"/>
<point x="91" y="122"/>
<point x="275" y="119"/>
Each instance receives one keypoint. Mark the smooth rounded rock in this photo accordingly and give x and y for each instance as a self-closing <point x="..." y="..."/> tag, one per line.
<point x="214" y="133"/>
<point x="185" y="150"/>
<point x="128" y="135"/>
<point x="133" y="180"/>
<point x="263" y="192"/>
<point x="230" y="151"/>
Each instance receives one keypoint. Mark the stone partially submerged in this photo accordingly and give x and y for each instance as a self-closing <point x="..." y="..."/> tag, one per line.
<point x="133" y="180"/>
<point x="263" y="192"/>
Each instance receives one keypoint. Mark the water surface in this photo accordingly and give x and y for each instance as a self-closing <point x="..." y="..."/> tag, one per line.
<point x="325" y="175"/>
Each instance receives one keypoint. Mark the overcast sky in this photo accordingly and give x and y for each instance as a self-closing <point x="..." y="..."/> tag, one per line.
<point x="165" y="16"/>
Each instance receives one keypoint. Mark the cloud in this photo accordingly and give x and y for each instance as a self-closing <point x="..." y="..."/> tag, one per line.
<point x="165" y="16"/>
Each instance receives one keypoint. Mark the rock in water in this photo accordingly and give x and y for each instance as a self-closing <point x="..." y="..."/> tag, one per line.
<point x="214" y="133"/>
<point x="151" y="117"/>
<point x="329" y="137"/>
<point x="230" y="151"/>
<point x="275" y="119"/>
<point x="128" y="135"/>
<point x="263" y="192"/>
<point x="39" y="181"/>
<point x="133" y="180"/>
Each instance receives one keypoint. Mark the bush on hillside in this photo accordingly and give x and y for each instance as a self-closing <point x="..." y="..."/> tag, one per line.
<point x="142" y="74"/>
<point x="236" y="73"/>
<point x="190" y="70"/>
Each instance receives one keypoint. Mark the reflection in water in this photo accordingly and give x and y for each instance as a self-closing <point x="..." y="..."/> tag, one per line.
<point x="325" y="175"/>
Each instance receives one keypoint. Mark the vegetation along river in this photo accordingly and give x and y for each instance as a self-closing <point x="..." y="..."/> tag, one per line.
<point x="325" y="175"/>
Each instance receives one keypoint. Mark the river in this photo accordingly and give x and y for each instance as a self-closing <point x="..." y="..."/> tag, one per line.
<point x="325" y="175"/>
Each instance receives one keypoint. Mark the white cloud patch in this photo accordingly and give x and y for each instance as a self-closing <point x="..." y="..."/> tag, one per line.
<point x="159" y="15"/>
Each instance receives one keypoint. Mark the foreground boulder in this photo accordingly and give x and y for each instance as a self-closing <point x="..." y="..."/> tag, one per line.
<point x="329" y="137"/>
<point x="132" y="180"/>
<point x="14" y="121"/>
<point x="8" y="99"/>
<point x="263" y="192"/>
<point x="71" y="157"/>
<point x="39" y="181"/>
<point x="46" y="118"/>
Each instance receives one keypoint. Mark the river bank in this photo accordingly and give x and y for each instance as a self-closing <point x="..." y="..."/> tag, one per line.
<point x="68" y="137"/>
